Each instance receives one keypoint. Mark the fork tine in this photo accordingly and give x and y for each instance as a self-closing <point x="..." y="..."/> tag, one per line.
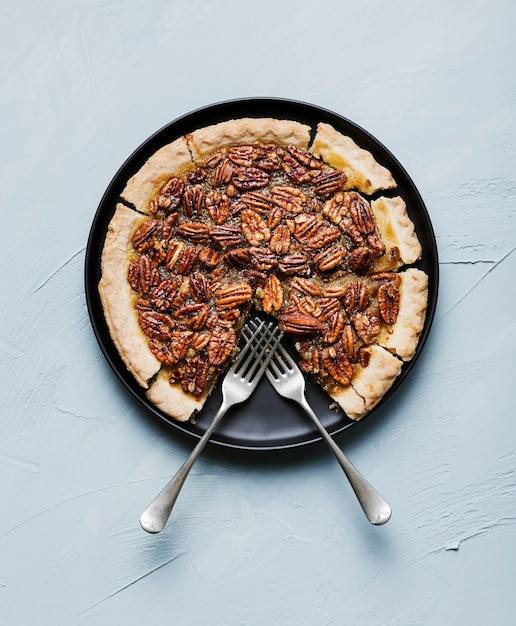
<point x="255" y="344"/>
<point x="281" y="362"/>
<point x="251" y="340"/>
<point x="273" y="339"/>
<point x="281" y="356"/>
<point x="273" y="368"/>
<point x="263" y="358"/>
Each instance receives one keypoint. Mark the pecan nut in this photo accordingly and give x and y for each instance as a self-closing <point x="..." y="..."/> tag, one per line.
<point x="217" y="205"/>
<point x="375" y="243"/>
<point x="194" y="315"/>
<point x="306" y="226"/>
<point x="334" y="290"/>
<point x="389" y="302"/>
<point x="337" y="208"/>
<point x="290" y="199"/>
<point x="349" y="227"/>
<point x="387" y="276"/>
<point x="226" y="235"/>
<point x="280" y="239"/>
<point x="142" y="276"/>
<point x="262" y="258"/>
<point x="330" y="258"/>
<point x="173" y="253"/>
<point x="350" y="343"/>
<point x="243" y="155"/>
<point x="357" y="297"/>
<point x="272" y="295"/>
<point x="361" y="260"/>
<point x="274" y="218"/>
<point x="169" y="196"/>
<point x="193" y="199"/>
<point x="200" y="340"/>
<point x="248" y="178"/>
<point x="197" y="176"/>
<point x="307" y="304"/>
<point x="294" y="264"/>
<point x="210" y="258"/>
<point x="299" y="324"/>
<point x="162" y="297"/>
<point x="255" y="229"/>
<point x="362" y="214"/>
<point x="174" y="350"/>
<point x="308" y="159"/>
<point x="239" y="256"/>
<point x="367" y="326"/>
<point x="195" y="231"/>
<point x="305" y="285"/>
<point x="258" y="200"/>
<point x="311" y="363"/>
<point x="233" y="295"/>
<point x="142" y="236"/>
<point x="323" y="237"/>
<point x="328" y="306"/>
<point x="199" y="288"/>
<point x="221" y="344"/>
<point x="336" y="364"/>
<point x="294" y="169"/>
<point x="269" y="157"/>
<point x="223" y="173"/>
<point x="327" y="183"/>
<point x="195" y="376"/>
<point x="168" y="226"/>
<point x="336" y="325"/>
<point x="156" y="325"/>
<point x="186" y="260"/>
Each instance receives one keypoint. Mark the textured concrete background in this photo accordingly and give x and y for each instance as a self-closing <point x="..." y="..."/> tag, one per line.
<point x="255" y="541"/>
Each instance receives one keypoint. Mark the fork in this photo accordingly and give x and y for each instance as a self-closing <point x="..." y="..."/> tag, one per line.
<point x="287" y="379"/>
<point x="237" y="386"/>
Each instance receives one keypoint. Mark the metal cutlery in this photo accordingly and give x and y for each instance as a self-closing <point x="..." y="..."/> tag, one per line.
<point x="237" y="386"/>
<point x="287" y="379"/>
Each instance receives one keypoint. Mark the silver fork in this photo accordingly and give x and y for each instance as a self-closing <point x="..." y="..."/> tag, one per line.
<point x="287" y="379"/>
<point x="238" y="384"/>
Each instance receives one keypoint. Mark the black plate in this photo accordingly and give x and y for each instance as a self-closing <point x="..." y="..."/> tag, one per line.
<point x="266" y="421"/>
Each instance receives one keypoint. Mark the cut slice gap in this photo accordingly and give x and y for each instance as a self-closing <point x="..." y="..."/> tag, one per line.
<point x="402" y="246"/>
<point x="351" y="402"/>
<point x="401" y="339"/>
<point x="340" y="151"/>
<point x="171" y="399"/>
<point x="168" y="161"/>
<point x="373" y="381"/>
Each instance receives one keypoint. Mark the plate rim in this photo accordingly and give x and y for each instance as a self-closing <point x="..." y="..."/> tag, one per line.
<point x="168" y="133"/>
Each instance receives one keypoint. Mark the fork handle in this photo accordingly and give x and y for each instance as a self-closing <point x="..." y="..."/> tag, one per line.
<point x="156" y="515"/>
<point x="376" y="509"/>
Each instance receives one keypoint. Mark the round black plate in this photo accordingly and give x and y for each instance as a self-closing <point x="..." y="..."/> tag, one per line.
<point x="266" y="421"/>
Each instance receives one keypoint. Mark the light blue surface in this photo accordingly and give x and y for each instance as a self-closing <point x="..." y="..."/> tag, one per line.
<point x="255" y="541"/>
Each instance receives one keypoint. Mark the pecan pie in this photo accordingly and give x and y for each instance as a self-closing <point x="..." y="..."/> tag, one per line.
<point x="250" y="214"/>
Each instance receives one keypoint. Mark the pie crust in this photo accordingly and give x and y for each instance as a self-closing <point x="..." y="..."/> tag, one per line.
<point x="118" y="298"/>
<point x="207" y="140"/>
<point x="248" y="214"/>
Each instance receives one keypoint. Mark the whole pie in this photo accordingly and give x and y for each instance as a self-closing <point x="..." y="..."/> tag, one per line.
<point x="254" y="214"/>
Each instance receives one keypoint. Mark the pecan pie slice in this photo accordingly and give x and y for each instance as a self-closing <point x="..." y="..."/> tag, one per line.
<point x="246" y="215"/>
